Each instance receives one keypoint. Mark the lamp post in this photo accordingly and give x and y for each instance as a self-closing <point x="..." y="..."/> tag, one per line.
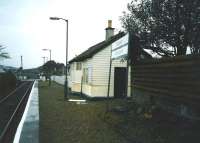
<point x="49" y="52"/>
<point x="66" y="80"/>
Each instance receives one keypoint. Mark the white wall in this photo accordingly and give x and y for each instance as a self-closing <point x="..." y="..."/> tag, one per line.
<point x="42" y="78"/>
<point x="101" y="72"/>
<point x="58" y="79"/>
<point x="101" y="63"/>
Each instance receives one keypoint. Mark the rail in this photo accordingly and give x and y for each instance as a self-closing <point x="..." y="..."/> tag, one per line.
<point x="12" y="92"/>
<point x="10" y="128"/>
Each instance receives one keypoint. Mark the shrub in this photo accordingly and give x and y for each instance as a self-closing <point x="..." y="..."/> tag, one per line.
<point x="7" y="83"/>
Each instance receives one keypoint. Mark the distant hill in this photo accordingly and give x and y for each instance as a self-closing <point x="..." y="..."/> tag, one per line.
<point x="33" y="70"/>
<point x="6" y="68"/>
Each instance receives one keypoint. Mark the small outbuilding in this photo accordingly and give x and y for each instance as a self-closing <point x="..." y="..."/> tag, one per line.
<point x="89" y="71"/>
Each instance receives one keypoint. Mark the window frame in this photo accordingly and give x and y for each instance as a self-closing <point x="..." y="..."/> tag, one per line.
<point x="78" y="66"/>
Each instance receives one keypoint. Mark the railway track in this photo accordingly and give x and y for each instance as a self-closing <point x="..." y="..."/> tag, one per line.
<point x="11" y="110"/>
<point x="17" y="88"/>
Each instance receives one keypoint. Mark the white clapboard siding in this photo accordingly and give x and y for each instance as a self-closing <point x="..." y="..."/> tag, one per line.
<point x="101" y="65"/>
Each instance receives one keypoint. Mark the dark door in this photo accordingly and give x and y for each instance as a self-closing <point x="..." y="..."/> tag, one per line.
<point x="120" y="82"/>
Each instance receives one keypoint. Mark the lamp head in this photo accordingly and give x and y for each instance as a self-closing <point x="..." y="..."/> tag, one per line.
<point x="54" y="18"/>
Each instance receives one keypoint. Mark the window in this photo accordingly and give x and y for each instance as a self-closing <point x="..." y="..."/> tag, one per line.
<point x="78" y="66"/>
<point x="69" y="70"/>
<point x="87" y="75"/>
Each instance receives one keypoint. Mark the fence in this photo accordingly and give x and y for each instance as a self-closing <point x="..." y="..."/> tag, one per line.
<point x="177" y="78"/>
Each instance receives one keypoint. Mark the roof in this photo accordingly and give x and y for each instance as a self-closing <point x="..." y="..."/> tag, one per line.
<point x="96" y="48"/>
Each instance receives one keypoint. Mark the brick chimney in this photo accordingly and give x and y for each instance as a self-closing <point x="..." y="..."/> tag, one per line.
<point x="109" y="30"/>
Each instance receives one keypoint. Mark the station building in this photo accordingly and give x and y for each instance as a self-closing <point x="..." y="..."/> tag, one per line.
<point x="89" y="71"/>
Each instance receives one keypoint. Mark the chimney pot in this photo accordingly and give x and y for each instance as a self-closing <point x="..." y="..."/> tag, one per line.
<point x="109" y="30"/>
<point x="109" y="23"/>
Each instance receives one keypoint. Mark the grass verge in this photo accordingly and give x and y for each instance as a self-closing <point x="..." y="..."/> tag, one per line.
<point x="68" y="122"/>
<point x="62" y="121"/>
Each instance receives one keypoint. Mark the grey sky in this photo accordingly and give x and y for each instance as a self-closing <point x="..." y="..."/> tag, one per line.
<point x="26" y="29"/>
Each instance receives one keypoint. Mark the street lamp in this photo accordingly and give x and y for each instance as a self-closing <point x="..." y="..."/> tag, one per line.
<point x="49" y="52"/>
<point x="66" y="81"/>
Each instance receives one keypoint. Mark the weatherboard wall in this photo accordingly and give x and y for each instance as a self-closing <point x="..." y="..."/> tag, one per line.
<point x="100" y="75"/>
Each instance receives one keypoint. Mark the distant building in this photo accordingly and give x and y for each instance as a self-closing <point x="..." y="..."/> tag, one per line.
<point x="2" y="70"/>
<point x="89" y="71"/>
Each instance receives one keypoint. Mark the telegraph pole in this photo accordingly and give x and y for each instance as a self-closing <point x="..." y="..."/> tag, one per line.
<point x="22" y="62"/>
<point x="21" y="67"/>
<point x="44" y="59"/>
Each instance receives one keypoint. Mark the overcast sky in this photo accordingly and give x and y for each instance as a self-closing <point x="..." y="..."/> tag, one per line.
<point x="25" y="28"/>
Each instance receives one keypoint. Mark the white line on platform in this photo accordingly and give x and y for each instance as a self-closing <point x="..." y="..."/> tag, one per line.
<point x="76" y="100"/>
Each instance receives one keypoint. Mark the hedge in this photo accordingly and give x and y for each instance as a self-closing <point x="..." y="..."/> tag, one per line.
<point x="7" y="83"/>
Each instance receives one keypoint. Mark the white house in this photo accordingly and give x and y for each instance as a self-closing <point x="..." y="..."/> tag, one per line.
<point x="89" y="71"/>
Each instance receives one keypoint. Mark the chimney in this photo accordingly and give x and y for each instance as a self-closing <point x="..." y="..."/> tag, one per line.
<point x="109" y="30"/>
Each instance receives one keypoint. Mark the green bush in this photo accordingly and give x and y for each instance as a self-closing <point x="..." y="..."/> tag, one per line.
<point x="7" y="83"/>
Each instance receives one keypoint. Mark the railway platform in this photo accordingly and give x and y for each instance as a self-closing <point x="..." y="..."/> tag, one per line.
<point x="28" y="128"/>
